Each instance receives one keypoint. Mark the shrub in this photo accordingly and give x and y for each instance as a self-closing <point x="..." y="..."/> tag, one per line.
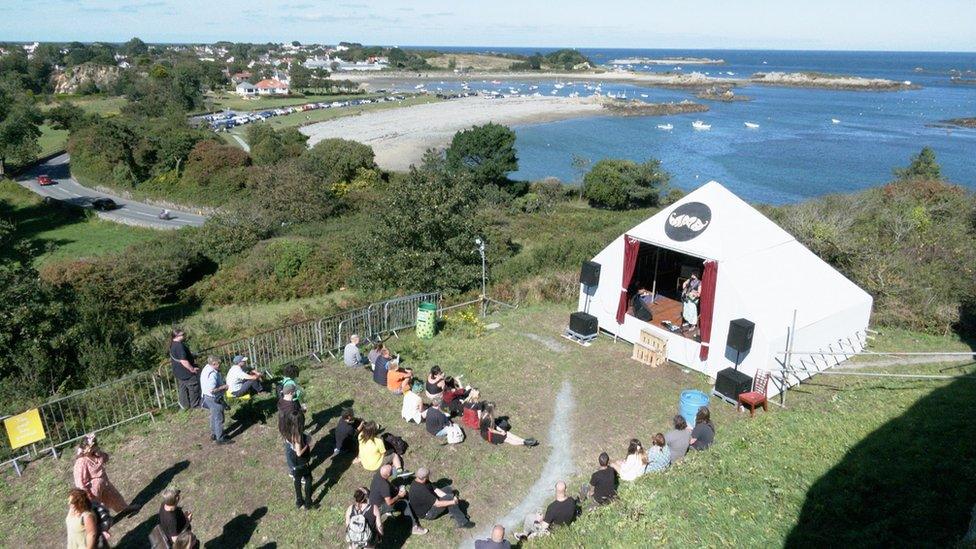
<point x="624" y="184"/>
<point x="338" y="160"/>
<point x="923" y="166"/>
<point x="486" y="153"/>
<point x="464" y="323"/>
<point x="270" y="146"/>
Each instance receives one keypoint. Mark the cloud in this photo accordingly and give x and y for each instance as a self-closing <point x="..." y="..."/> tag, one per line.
<point x="440" y="14"/>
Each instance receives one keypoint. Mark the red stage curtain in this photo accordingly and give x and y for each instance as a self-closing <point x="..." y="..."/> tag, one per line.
<point x="706" y="303"/>
<point x="631" y="247"/>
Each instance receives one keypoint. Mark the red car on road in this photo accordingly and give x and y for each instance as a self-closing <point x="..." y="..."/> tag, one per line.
<point x="44" y="180"/>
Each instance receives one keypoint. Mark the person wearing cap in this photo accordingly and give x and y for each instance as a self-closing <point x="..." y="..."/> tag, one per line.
<point x="430" y="502"/>
<point x="351" y="356"/>
<point x="243" y="381"/>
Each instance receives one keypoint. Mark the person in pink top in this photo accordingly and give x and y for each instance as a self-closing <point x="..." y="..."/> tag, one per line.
<point x="91" y="477"/>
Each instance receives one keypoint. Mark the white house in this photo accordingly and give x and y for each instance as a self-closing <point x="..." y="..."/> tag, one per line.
<point x="749" y="267"/>
<point x="272" y="86"/>
<point x="246" y="89"/>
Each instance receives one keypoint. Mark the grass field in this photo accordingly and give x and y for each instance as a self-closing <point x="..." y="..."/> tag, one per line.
<point x="51" y="140"/>
<point x="104" y="105"/>
<point x="62" y="233"/>
<point x="849" y="462"/>
<point x="238" y="103"/>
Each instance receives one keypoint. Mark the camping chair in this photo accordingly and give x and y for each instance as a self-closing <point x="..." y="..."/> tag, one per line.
<point x="757" y="396"/>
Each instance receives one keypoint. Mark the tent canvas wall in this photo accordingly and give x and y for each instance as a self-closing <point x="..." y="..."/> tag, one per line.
<point x="763" y="274"/>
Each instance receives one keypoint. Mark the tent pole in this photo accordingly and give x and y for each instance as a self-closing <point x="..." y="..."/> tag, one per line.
<point x="789" y="357"/>
<point x="657" y="255"/>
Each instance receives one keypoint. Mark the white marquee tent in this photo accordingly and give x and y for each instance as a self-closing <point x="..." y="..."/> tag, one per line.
<point x="753" y="269"/>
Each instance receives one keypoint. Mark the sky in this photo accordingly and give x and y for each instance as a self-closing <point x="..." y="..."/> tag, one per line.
<point x="896" y="25"/>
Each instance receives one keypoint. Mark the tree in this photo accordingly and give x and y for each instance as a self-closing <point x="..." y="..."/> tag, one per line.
<point x="922" y="166"/>
<point x="19" y="127"/>
<point x="300" y="77"/>
<point x="67" y="116"/>
<point x="581" y="165"/>
<point x="624" y="184"/>
<point x="286" y="193"/>
<point x="338" y="160"/>
<point x="486" y="153"/>
<point x="269" y="146"/>
<point x="134" y="47"/>
<point x="425" y="235"/>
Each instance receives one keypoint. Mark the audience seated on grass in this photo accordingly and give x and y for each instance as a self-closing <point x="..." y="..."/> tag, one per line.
<point x="173" y="521"/>
<point x="678" y="439"/>
<point x="383" y="495"/>
<point x="375" y="352"/>
<point x="413" y="403"/>
<point x="603" y="483"/>
<point x="496" y="541"/>
<point x="561" y="512"/>
<point x="430" y="502"/>
<point x="398" y="378"/>
<point x="658" y="455"/>
<point x="492" y="433"/>
<point x="454" y="396"/>
<point x="382" y="367"/>
<point x="373" y="452"/>
<point x="436" y="422"/>
<point x="471" y="412"/>
<point x="435" y="383"/>
<point x="364" y="528"/>
<point x="347" y="432"/>
<point x="633" y="466"/>
<point x="351" y="356"/>
<point x="243" y="380"/>
<point x="703" y="434"/>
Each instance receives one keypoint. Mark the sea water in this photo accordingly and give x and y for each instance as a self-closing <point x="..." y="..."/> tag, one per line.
<point x="797" y="152"/>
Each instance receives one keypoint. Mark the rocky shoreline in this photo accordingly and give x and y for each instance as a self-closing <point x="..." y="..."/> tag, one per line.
<point x="640" y="108"/>
<point x="968" y="123"/>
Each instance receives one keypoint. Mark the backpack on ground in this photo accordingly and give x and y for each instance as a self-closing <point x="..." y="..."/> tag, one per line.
<point x="358" y="533"/>
<point x="395" y="443"/>
<point x="455" y="435"/>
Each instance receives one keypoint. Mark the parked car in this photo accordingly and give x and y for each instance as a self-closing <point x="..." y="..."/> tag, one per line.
<point x="104" y="204"/>
<point x="44" y="179"/>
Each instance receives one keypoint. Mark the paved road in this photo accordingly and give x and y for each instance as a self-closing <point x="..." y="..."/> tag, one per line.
<point x="131" y="212"/>
<point x="244" y="145"/>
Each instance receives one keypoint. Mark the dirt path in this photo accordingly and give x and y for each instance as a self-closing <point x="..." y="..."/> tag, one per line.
<point x="559" y="466"/>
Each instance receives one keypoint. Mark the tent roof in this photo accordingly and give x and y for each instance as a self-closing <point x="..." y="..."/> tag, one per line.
<point x="735" y="229"/>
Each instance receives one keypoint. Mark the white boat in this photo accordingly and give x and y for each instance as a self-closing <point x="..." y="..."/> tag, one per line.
<point x="418" y="87"/>
<point x="834" y="121"/>
<point x="644" y="95"/>
<point x="665" y="127"/>
<point x="559" y="86"/>
<point x="752" y="125"/>
<point x="701" y="126"/>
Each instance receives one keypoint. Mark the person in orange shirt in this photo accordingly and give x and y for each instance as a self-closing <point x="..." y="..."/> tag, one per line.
<point x="398" y="379"/>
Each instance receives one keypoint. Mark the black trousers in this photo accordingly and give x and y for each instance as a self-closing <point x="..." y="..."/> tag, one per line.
<point x="188" y="392"/>
<point x="303" y="490"/>
<point x="403" y="507"/>
<point x="454" y="510"/>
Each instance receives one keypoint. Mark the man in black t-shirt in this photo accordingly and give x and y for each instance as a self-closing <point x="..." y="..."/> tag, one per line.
<point x="345" y="432"/>
<point x="561" y="512"/>
<point x="603" y="483"/>
<point x="184" y="370"/>
<point x="430" y="502"/>
<point x="381" y="493"/>
<point x="436" y="421"/>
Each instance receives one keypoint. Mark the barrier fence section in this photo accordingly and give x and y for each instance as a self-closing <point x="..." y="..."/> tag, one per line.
<point x="67" y="419"/>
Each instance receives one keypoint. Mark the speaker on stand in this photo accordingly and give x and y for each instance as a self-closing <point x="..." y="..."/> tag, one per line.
<point x="740" y="337"/>
<point x="584" y="327"/>
<point x="590" y="279"/>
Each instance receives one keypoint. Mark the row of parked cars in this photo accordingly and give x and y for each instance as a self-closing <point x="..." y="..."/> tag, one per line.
<point x="224" y="121"/>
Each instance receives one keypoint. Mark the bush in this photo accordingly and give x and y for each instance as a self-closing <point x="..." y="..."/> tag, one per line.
<point x="624" y="184"/>
<point x="270" y="146"/>
<point x="464" y="323"/>
<point x="338" y="160"/>
<point x="486" y="153"/>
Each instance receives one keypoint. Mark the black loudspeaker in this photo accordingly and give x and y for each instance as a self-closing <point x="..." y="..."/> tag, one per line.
<point x="740" y="335"/>
<point x="730" y="383"/>
<point x="583" y="324"/>
<point x="590" y="273"/>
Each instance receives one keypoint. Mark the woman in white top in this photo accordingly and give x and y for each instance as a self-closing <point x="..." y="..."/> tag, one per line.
<point x="413" y="404"/>
<point x="634" y="464"/>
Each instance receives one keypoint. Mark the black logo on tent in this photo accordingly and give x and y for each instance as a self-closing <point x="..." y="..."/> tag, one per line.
<point x="687" y="221"/>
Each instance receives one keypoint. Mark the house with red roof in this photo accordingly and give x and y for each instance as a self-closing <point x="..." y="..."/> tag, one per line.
<point x="272" y="86"/>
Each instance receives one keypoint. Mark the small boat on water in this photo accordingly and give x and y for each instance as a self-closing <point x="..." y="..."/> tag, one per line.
<point x="701" y="126"/>
<point x="665" y="127"/>
<point x="418" y="87"/>
<point x="751" y="125"/>
<point x="644" y="95"/>
<point x="834" y="121"/>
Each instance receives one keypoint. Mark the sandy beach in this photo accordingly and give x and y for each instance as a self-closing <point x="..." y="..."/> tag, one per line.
<point x="400" y="136"/>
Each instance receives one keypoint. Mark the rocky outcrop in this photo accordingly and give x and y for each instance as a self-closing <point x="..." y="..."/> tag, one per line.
<point x="829" y="81"/>
<point x="640" y="108"/>
<point x="82" y="78"/>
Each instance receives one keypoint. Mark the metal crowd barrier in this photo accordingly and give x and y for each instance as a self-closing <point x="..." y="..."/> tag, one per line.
<point x="69" y="418"/>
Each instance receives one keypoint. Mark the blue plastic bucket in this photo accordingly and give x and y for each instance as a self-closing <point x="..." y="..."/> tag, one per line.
<point x="689" y="402"/>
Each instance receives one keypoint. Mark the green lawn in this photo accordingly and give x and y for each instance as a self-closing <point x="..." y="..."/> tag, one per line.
<point x="98" y="104"/>
<point x="236" y="102"/>
<point x="61" y="233"/>
<point x="51" y="140"/>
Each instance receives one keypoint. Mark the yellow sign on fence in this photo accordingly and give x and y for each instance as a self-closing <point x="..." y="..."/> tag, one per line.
<point x="25" y="428"/>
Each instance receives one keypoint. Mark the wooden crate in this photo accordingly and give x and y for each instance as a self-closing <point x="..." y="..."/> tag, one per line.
<point x="650" y="350"/>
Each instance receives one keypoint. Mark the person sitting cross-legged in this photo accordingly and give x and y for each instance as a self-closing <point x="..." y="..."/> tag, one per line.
<point x="435" y="383"/>
<point x="561" y="512"/>
<point x="351" y="356"/>
<point x="633" y="466"/>
<point x="413" y="404"/>
<point x="678" y="439"/>
<point x="398" y="378"/>
<point x="373" y="452"/>
<point x="703" y="435"/>
<point x="430" y="502"/>
<point x="382" y="494"/>
<point x="454" y="396"/>
<point x="603" y="483"/>
<point x="242" y="380"/>
<point x="381" y="368"/>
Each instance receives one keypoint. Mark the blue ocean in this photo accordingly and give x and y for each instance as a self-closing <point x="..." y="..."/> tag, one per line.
<point x="797" y="151"/>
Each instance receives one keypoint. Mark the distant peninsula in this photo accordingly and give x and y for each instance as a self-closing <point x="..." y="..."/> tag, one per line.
<point x="667" y="61"/>
<point x="640" y="108"/>
<point x="957" y="123"/>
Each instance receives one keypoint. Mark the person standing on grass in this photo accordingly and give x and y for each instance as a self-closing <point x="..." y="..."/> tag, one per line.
<point x="364" y="528"/>
<point x="90" y="476"/>
<point x="603" y="483"/>
<point x="658" y="456"/>
<point x="81" y="522"/>
<point x="430" y="502"/>
<point x="678" y="439"/>
<point x="351" y="356"/>
<point x="289" y="376"/>
<point x="298" y="449"/>
<point x="184" y="370"/>
<point x="496" y="541"/>
<point x="703" y="434"/>
<point x="382" y="495"/>
<point x="212" y="386"/>
<point x="173" y="521"/>
<point x="561" y="512"/>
